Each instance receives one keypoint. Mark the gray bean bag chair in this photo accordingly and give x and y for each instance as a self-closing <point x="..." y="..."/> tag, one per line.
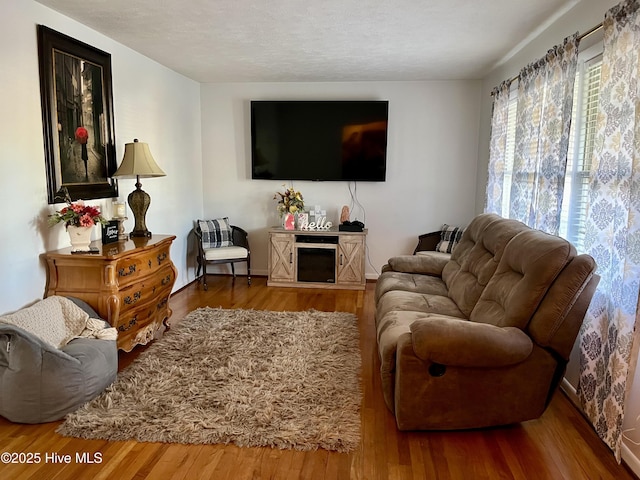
<point x="41" y="383"/>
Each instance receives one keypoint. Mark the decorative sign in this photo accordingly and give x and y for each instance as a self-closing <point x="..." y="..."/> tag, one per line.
<point x="317" y="220"/>
<point x="110" y="232"/>
<point x="303" y="219"/>
<point x="320" y="224"/>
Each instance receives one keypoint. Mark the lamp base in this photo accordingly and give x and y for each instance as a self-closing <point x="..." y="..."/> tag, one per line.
<point x="141" y="233"/>
<point x="139" y="201"/>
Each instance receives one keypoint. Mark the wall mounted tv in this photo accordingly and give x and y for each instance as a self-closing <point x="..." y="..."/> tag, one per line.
<point x="319" y="140"/>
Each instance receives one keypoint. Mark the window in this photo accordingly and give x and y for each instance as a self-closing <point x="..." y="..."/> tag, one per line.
<point x="582" y="136"/>
<point x="510" y="148"/>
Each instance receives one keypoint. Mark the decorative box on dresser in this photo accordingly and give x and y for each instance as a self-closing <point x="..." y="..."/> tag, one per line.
<point x="128" y="283"/>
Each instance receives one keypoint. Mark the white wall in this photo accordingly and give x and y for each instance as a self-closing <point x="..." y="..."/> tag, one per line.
<point x="431" y="171"/>
<point x="151" y="103"/>
<point x="586" y="14"/>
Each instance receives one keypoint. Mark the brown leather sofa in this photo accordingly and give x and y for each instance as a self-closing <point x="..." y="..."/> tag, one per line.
<point x="481" y="337"/>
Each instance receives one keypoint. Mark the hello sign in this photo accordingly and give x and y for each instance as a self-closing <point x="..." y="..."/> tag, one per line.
<point x="320" y="224"/>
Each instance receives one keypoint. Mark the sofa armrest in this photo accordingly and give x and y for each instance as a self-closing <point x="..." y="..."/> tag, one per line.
<point x="430" y="263"/>
<point x="458" y="342"/>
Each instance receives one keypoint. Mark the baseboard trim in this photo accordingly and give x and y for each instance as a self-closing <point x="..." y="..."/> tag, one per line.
<point x="631" y="461"/>
<point x="570" y="391"/>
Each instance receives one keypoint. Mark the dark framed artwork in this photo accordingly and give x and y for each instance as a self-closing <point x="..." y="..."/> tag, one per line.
<point x="77" y="117"/>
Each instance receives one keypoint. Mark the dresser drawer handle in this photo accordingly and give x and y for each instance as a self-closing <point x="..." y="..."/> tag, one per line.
<point x="132" y="322"/>
<point x="162" y="303"/>
<point x="136" y="296"/>
<point x="166" y="280"/>
<point x="123" y="273"/>
<point x="162" y="257"/>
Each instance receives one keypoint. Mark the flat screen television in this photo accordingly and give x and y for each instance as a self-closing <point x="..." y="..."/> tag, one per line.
<point x="319" y="140"/>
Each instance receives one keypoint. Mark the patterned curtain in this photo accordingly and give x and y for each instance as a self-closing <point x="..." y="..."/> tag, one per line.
<point x="613" y="229"/>
<point x="545" y="100"/>
<point x="497" y="149"/>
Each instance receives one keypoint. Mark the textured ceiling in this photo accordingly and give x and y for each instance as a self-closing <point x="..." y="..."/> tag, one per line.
<point x="318" y="40"/>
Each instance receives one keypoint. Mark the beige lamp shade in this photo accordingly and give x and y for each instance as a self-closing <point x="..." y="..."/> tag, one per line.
<point x="138" y="162"/>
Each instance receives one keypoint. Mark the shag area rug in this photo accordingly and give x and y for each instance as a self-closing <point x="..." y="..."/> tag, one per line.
<point x="248" y="377"/>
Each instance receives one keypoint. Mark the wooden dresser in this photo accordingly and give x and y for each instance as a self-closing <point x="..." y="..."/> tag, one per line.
<point x="128" y="283"/>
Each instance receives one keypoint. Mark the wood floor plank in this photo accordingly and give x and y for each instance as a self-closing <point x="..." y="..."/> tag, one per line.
<point x="559" y="445"/>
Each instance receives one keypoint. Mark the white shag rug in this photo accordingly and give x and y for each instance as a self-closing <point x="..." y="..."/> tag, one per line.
<point x="248" y="377"/>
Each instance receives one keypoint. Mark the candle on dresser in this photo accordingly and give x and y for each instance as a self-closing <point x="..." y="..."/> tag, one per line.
<point x="120" y="210"/>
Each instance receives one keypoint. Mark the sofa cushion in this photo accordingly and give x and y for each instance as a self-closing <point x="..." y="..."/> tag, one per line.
<point x="476" y="258"/>
<point x="401" y="301"/>
<point x="531" y="262"/>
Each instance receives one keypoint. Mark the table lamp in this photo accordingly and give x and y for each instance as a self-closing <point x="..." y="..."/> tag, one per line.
<point x="138" y="162"/>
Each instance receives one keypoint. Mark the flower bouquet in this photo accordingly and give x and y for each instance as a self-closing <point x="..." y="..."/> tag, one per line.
<point x="77" y="214"/>
<point x="290" y="201"/>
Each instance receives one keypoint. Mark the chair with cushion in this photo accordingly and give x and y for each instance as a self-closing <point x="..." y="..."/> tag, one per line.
<point x="443" y="241"/>
<point x="220" y="242"/>
<point x="55" y="356"/>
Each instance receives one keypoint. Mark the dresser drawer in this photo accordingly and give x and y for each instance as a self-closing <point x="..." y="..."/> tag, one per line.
<point x="145" y="289"/>
<point x="132" y="268"/>
<point x="140" y="313"/>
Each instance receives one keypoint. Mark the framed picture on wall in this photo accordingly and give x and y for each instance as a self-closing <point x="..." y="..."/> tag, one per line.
<point x="77" y="117"/>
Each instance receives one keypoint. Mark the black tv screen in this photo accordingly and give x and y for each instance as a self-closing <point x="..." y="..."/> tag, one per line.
<point x="319" y="140"/>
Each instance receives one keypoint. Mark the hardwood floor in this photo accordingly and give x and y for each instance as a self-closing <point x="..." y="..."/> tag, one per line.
<point x="560" y="445"/>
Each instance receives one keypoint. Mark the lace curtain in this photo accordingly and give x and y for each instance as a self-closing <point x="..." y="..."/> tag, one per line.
<point x="613" y="229"/>
<point x="545" y="100"/>
<point x="497" y="149"/>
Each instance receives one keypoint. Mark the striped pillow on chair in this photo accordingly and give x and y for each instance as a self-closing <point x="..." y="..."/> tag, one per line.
<point x="216" y="233"/>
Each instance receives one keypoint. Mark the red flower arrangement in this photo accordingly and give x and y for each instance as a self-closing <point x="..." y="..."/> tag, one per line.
<point x="77" y="214"/>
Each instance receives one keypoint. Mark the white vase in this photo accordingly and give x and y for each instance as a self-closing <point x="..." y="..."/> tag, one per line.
<point x="80" y="238"/>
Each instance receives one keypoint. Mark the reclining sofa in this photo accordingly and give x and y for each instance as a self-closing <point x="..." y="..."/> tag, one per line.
<point x="480" y="337"/>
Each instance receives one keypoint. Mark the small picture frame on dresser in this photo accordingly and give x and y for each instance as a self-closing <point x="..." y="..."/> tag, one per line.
<point x="110" y="232"/>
